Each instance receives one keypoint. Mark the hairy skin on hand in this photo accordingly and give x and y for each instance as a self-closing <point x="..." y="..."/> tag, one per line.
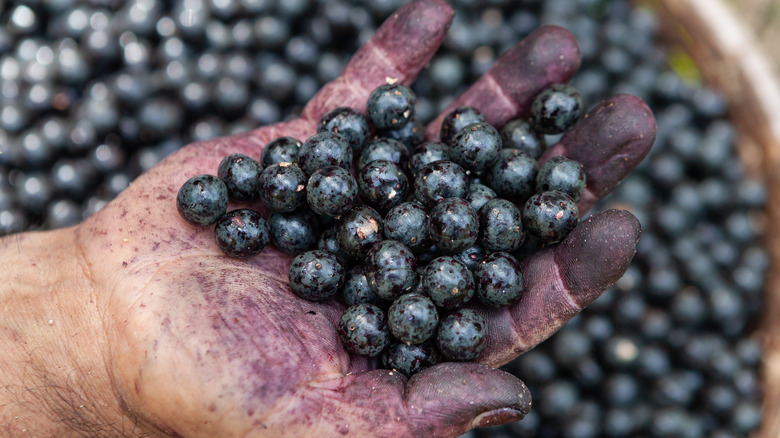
<point x="193" y="343"/>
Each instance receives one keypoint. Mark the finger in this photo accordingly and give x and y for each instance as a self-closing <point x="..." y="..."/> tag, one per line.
<point x="442" y="401"/>
<point x="560" y="281"/>
<point x="549" y="55"/>
<point x="610" y="141"/>
<point x="399" y="50"/>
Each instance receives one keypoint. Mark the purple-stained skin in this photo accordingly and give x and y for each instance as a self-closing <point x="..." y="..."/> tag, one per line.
<point x="198" y="344"/>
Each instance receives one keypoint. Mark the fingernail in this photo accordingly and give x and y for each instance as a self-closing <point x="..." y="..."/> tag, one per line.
<point x="497" y="417"/>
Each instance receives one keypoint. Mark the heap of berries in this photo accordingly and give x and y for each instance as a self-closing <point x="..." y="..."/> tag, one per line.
<point x="416" y="232"/>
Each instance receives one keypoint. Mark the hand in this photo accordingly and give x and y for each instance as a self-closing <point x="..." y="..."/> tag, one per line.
<point x="184" y="341"/>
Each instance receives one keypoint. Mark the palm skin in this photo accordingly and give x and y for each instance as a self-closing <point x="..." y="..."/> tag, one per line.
<point x="198" y="344"/>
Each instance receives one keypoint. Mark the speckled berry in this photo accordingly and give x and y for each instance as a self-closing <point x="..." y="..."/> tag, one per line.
<point x="385" y="149"/>
<point x="556" y="109"/>
<point x="440" y="180"/>
<point x="453" y="225"/>
<point x="476" y="146"/>
<point x="322" y="150"/>
<point x="427" y="153"/>
<point x="282" y="187"/>
<point x="358" y="230"/>
<point x="550" y="216"/>
<point x="280" y="150"/>
<point x="411" y="134"/>
<point x="413" y="318"/>
<point x="348" y="123"/>
<point x="241" y="233"/>
<point x="499" y="280"/>
<point x="408" y="223"/>
<point x="293" y="232"/>
<point x="456" y="120"/>
<point x="390" y="106"/>
<point x="513" y="175"/>
<point x="331" y="191"/>
<point x="462" y="335"/>
<point x="363" y="330"/>
<point x="240" y="173"/>
<point x="356" y="289"/>
<point x="562" y="174"/>
<point x="410" y="359"/>
<point x="448" y="282"/>
<point x="390" y="269"/>
<point x="500" y="226"/>
<point x="471" y="256"/>
<point x="382" y="185"/>
<point x="329" y="242"/>
<point x="479" y="194"/>
<point x="520" y="134"/>
<point x="316" y="275"/>
<point x="202" y="200"/>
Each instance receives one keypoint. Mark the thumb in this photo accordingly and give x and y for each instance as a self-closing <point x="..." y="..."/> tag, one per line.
<point x="445" y="400"/>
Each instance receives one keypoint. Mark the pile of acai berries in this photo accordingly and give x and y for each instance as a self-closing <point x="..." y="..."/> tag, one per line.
<point x="418" y="231"/>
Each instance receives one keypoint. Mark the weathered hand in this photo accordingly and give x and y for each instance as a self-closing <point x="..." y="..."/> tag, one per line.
<point x="199" y="344"/>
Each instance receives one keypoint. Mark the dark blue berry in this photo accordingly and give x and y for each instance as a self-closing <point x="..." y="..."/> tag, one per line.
<point x="283" y="187"/>
<point x="316" y="275"/>
<point x="358" y="230"/>
<point x="385" y="149"/>
<point x="390" y="269"/>
<point x="348" y="123"/>
<point x="513" y="175"/>
<point x="556" y="109"/>
<point x="329" y="242"/>
<point x="322" y="150"/>
<point x="241" y="233"/>
<point x="427" y="153"/>
<point x="331" y="191"/>
<point x="363" y="330"/>
<point x="562" y="174"/>
<point x="356" y="289"/>
<point x="240" y="174"/>
<point x="413" y="318"/>
<point x="202" y="200"/>
<point x="280" y="150"/>
<point x="293" y="232"/>
<point x="408" y="223"/>
<point x="476" y="146"/>
<point x="519" y="134"/>
<point x="453" y="225"/>
<point x="411" y="134"/>
<point x="410" y="359"/>
<point x="458" y="119"/>
<point x="471" y="256"/>
<point x="448" y="282"/>
<point x="550" y="215"/>
<point x="479" y="194"/>
<point x="390" y="106"/>
<point x="499" y="280"/>
<point x="440" y="180"/>
<point x="500" y="226"/>
<point x="462" y="335"/>
<point x="382" y="185"/>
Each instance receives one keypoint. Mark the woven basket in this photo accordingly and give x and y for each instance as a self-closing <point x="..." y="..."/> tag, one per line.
<point x="729" y="58"/>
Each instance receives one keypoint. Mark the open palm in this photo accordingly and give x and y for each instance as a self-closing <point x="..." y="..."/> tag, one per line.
<point x="204" y="345"/>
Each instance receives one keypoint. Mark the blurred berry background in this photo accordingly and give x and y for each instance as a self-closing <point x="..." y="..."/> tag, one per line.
<point x="92" y="93"/>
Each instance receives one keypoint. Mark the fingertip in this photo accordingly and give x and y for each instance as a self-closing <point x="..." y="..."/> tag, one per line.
<point x="597" y="253"/>
<point x="548" y="55"/>
<point x="461" y="396"/>
<point x="413" y="33"/>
